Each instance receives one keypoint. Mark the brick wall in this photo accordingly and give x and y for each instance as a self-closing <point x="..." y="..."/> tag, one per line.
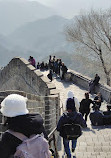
<point x="47" y="106"/>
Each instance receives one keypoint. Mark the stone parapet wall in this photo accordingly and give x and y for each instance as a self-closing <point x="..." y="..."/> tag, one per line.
<point x="20" y="75"/>
<point x="47" y="106"/>
<point x="83" y="81"/>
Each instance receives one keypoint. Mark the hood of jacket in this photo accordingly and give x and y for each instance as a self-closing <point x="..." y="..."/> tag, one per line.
<point x="27" y="124"/>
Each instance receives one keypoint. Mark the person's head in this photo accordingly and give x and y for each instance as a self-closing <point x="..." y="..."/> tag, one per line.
<point x="96" y="75"/>
<point x="70" y="106"/>
<point x="108" y="107"/>
<point x="70" y="94"/>
<point x="87" y="95"/>
<point x="14" y="105"/>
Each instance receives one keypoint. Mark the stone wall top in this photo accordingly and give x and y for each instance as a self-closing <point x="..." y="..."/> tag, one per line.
<point x="83" y="81"/>
<point x="20" y="75"/>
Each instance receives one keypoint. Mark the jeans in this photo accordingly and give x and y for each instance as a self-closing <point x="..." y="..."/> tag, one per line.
<point x="67" y="148"/>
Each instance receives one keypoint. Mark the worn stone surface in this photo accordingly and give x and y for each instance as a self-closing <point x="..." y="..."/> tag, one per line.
<point x="95" y="142"/>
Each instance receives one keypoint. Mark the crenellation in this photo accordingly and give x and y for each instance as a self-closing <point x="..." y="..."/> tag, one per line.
<point x="38" y="73"/>
<point x="54" y="92"/>
<point x="24" y="61"/>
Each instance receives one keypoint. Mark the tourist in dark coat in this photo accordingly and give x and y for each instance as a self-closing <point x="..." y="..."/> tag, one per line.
<point x="70" y="116"/>
<point x="108" y="111"/>
<point x="85" y="106"/>
<point x="98" y="99"/>
<point x="96" y="117"/>
<point x="96" y="80"/>
<point x="38" y="65"/>
<point x="94" y="83"/>
<point x="42" y="66"/>
<point x="50" y="75"/>
<point x="18" y="120"/>
<point x="64" y="70"/>
<point x="107" y="115"/>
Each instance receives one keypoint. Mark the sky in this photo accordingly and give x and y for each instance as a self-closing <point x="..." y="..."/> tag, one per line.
<point x="69" y="8"/>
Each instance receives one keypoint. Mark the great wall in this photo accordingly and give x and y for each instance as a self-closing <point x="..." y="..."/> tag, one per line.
<point x="44" y="97"/>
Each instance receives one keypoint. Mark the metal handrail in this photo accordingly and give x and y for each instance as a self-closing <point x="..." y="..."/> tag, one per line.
<point x="51" y="133"/>
<point x="51" y="137"/>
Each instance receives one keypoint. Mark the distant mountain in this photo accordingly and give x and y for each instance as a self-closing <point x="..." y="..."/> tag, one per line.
<point x="44" y="36"/>
<point x="5" y="55"/>
<point x="14" y="13"/>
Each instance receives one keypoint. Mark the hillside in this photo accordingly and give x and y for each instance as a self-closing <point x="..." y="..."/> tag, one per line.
<point x="14" y="13"/>
<point x="43" y="36"/>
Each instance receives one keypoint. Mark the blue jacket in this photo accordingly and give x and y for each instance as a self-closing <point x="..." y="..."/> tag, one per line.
<point x="70" y="117"/>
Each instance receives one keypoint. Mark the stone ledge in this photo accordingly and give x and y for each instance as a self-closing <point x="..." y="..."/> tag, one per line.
<point x="54" y="92"/>
<point x="38" y="73"/>
<point x="24" y="61"/>
<point x="8" y="92"/>
<point x="45" y="79"/>
<point x="32" y="68"/>
<point x="51" y="86"/>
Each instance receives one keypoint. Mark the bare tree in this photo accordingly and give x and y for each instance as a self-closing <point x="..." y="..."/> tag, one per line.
<point x="93" y="30"/>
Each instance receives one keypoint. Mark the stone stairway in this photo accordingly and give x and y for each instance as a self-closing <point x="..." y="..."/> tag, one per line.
<point x="95" y="141"/>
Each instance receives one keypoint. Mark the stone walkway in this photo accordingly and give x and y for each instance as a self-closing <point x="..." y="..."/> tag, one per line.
<point x="95" y="141"/>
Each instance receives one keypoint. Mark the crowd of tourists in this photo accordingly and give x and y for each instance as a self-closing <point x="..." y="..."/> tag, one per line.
<point x="76" y="114"/>
<point x="54" y="65"/>
<point x="23" y="128"/>
<point x="27" y="130"/>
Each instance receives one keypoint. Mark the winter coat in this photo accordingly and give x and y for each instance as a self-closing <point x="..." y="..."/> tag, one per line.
<point x="96" y="118"/>
<point x="70" y="117"/>
<point x="85" y="105"/>
<point x="27" y="124"/>
<point x="98" y="100"/>
<point x="96" y="80"/>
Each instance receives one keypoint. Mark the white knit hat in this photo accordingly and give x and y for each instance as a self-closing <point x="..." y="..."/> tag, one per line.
<point x="14" y="105"/>
<point x="70" y="94"/>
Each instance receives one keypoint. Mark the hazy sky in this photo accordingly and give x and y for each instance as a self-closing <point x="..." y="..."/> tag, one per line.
<point x="69" y="8"/>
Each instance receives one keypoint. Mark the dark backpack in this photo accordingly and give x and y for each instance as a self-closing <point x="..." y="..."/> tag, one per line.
<point x="72" y="131"/>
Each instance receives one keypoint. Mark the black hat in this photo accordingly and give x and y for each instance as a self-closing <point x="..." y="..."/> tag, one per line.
<point x="109" y="106"/>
